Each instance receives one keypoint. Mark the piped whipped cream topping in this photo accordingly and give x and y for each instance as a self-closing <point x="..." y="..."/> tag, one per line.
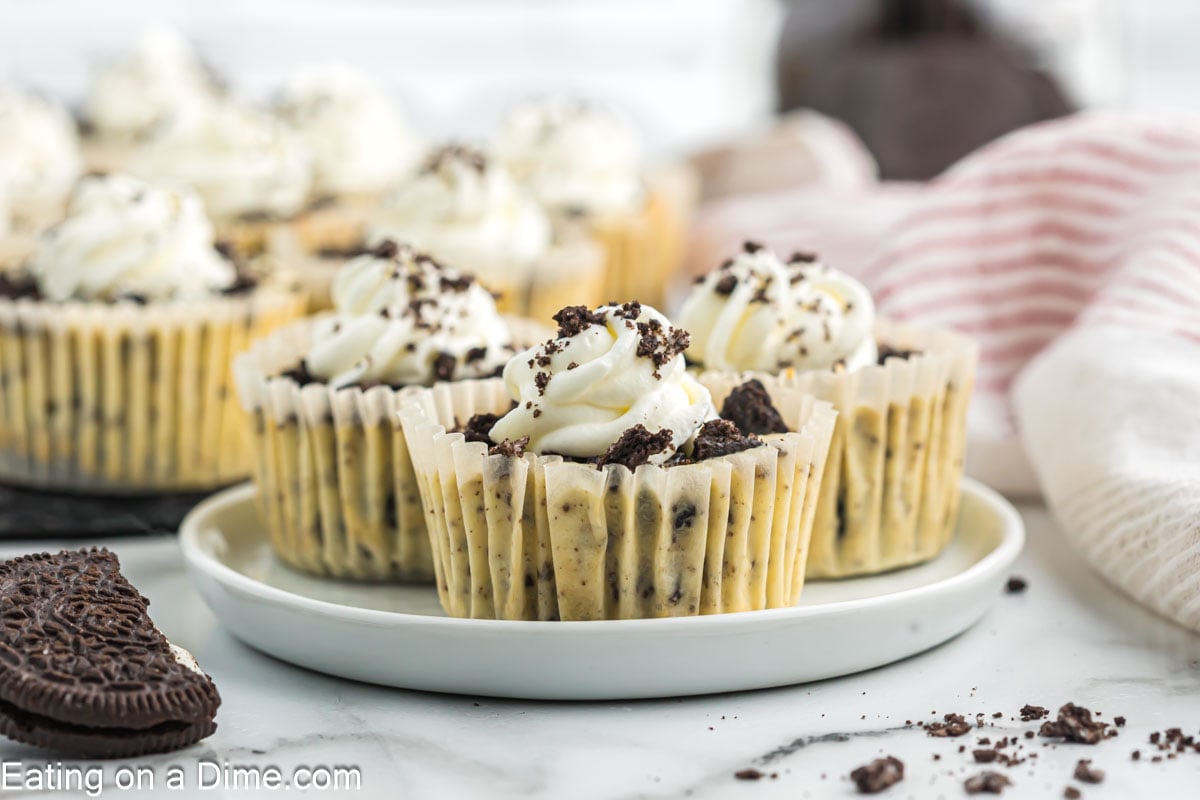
<point x="160" y="79"/>
<point x="360" y="140"/>
<point x="607" y="371"/>
<point x="124" y="238"/>
<point x="240" y="160"/>
<point x="575" y="157"/>
<point x="401" y="318"/>
<point x="757" y="312"/>
<point x="464" y="209"/>
<point x="39" y="153"/>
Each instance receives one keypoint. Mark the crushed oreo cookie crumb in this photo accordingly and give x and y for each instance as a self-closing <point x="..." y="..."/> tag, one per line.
<point x="726" y="285"/>
<point x="1029" y="713"/>
<point x="1016" y="585"/>
<point x="750" y="774"/>
<point x="514" y="448"/>
<point x="886" y="352"/>
<point x="478" y="428"/>
<point x="878" y="775"/>
<point x="636" y="447"/>
<point x="1075" y="724"/>
<point x="720" y="437"/>
<point x="1086" y="773"/>
<point x="952" y="725"/>
<point x="574" y="320"/>
<point x="1071" y="793"/>
<point x="986" y="783"/>
<point x="444" y="367"/>
<point x="749" y="407"/>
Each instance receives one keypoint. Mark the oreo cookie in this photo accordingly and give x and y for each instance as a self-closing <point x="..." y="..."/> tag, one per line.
<point x="83" y="669"/>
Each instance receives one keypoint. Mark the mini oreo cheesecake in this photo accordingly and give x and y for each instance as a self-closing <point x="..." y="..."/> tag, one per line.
<point x="362" y="146"/>
<point x="252" y="171"/>
<point x="596" y="480"/>
<point x="116" y="340"/>
<point x="890" y="497"/>
<point x="465" y="210"/>
<point x="334" y="476"/>
<point x="583" y="164"/>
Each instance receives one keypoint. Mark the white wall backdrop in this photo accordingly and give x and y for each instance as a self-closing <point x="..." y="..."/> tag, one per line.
<point x="686" y="70"/>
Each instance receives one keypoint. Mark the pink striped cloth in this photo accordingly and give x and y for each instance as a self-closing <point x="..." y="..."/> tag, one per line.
<point x="1071" y="251"/>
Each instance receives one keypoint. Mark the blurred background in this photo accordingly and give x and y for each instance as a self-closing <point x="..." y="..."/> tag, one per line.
<point x="689" y="73"/>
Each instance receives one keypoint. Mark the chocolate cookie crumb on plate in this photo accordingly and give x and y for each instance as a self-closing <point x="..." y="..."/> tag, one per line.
<point x="750" y="774"/>
<point x="878" y="775"/>
<point x="1086" y="773"/>
<point x="1029" y="713"/>
<point x="83" y="670"/>
<point x="1071" y="793"/>
<point x="1075" y="724"/>
<point x="954" y="725"/>
<point x="749" y="407"/>
<point x="1016" y="585"/>
<point x="986" y="783"/>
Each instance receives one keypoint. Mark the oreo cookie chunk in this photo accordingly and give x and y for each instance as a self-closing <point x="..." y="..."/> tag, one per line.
<point x="83" y="670"/>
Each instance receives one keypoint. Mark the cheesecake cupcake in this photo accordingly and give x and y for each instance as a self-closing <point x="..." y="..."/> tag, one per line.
<point x="116" y="339"/>
<point x="362" y="145"/>
<point x="583" y="165"/>
<point x="464" y="209"/>
<point x="596" y="480"/>
<point x="39" y="162"/>
<point x="335" y="481"/>
<point x="134" y="96"/>
<point x="252" y="171"/>
<point x="890" y="497"/>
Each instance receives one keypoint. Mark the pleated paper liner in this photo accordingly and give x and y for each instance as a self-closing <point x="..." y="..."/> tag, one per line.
<point x="539" y="538"/>
<point x="644" y="248"/>
<point x="121" y="399"/>
<point x="891" y="490"/>
<point x="335" y="481"/>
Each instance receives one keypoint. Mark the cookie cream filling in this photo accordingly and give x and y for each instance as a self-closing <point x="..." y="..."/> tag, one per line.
<point x="163" y="77"/>
<point x="360" y="141"/>
<point x="573" y="156"/>
<point x="464" y="209"/>
<point x="401" y="318"/>
<point x="241" y="161"/>
<point x="39" y="152"/>
<point x="759" y="313"/>
<point x="607" y="371"/>
<point x="124" y="238"/>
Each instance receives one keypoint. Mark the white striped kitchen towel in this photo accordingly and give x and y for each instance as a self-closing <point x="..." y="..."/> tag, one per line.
<point x="1071" y="250"/>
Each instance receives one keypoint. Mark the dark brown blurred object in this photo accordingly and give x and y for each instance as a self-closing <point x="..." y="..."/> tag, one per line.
<point x="923" y="82"/>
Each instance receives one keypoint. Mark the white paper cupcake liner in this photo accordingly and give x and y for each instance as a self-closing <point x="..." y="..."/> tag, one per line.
<point x="124" y="398"/>
<point x="539" y="538"/>
<point x="891" y="489"/>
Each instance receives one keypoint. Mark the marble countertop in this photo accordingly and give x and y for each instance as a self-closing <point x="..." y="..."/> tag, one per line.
<point x="1068" y="637"/>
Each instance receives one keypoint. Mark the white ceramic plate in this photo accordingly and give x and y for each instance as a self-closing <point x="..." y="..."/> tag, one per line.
<point x="397" y="635"/>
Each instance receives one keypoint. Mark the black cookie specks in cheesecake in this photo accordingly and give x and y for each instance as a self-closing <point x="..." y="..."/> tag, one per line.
<point x="749" y="407"/>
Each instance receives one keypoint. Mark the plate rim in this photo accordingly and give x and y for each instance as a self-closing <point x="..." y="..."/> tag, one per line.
<point x="197" y="558"/>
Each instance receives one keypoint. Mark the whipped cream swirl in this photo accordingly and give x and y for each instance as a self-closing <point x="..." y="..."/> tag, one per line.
<point x="756" y="312"/>
<point x="574" y="157"/>
<point x="464" y="209"/>
<point x="240" y="160"/>
<point x="401" y="318"/>
<point x="607" y="371"/>
<point x="161" y="78"/>
<point x="124" y="238"/>
<point x="361" y="142"/>
<point x="39" y="155"/>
